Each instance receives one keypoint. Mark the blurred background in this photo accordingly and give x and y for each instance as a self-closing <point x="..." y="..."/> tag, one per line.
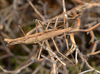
<point x="15" y="13"/>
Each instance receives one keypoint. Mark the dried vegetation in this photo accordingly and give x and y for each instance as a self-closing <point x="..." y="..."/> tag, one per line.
<point x="49" y="36"/>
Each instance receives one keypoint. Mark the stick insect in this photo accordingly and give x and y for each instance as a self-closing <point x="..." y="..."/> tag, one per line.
<point x="35" y="38"/>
